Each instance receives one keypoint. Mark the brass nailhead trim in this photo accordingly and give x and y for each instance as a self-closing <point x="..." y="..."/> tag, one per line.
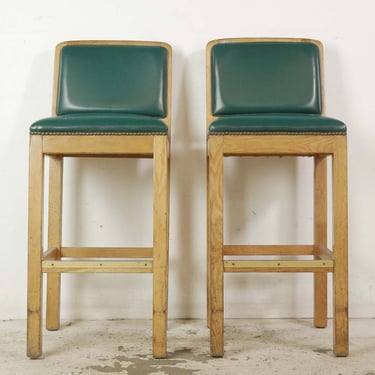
<point x="94" y="133"/>
<point x="277" y="133"/>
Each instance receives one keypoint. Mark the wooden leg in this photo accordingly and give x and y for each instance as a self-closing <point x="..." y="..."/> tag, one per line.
<point x="340" y="248"/>
<point x="160" y="261"/>
<point x="54" y="240"/>
<point x="208" y="244"/>
<point x="320" y="238"/>
<point x="35" y="239"/>
<point x="215" y="207"/>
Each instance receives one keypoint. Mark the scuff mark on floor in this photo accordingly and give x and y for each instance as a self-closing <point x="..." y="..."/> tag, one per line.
<point x="143" y="364"/>
<point x="322" y="351"/>
<point x="107" y="369"/>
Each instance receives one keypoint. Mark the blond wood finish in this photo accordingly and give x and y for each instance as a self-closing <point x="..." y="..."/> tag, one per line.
<point x="161" y="235"/>
<point x="216" y="241"/>
<point x="52" y="253"/>
<point x="167" y="119"/>
<point x="51" y="266"/>
<point x="208" y="249"/>
<point x="59" y="259"/>
<point x="87" y="145"/>
<point x="320" y="239"/>
<point x="318" y="146"/>
<point x="278" y="266"/>
<point x="212" y="43"/>
<point x="340" y="249"/>
<point x="35" y="238"/>
<point x="265" y="145"/>
<point x="241" y="250"/>
<point x="53" y="262"/>
<point x="324" y="253"/>
<point x="110" y="252"/>
<point x="54" y="240"/>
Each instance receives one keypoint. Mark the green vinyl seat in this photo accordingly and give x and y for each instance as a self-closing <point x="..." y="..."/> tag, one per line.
<point x="99" y="123"/>
<point x="265" y="97"/>
<point x="276" y="123"/>
<point x="111" y="99"/>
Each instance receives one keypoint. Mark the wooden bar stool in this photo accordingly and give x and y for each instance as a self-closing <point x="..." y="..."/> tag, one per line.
<point x="112" y="99"/>
<point x="265" y="97"/>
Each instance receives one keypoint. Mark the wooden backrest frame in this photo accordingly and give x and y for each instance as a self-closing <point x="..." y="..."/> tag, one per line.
<point x="212" y="43"/>
<point x="167" y="118"/>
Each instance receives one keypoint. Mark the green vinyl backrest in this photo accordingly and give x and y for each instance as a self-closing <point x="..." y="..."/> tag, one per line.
<point x="265" y="77"/>
<point x="99" y="78"/>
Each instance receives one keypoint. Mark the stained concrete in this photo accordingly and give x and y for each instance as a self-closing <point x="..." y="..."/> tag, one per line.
<point x="261" y="347"/>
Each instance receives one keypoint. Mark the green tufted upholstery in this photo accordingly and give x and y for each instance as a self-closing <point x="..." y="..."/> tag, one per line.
<point x="268" y="87"/>
<point x="109" y="89"/>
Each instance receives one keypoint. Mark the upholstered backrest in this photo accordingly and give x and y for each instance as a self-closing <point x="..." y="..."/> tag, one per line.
<point x="112" y="77"/>
<point x="265" y="77"/>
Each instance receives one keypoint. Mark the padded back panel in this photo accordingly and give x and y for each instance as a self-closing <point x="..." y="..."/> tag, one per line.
<point x="112" y="78"/>
<point x="265" y="77"/>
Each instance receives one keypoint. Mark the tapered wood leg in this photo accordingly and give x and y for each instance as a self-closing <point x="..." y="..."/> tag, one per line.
<point x="54" y="240"/>
<point x="35" y="238"/>
<point x="161" y="239"/>
<point x="216" y="273"/>
<point x="340" y="248"/>
<point x="320" y="238"/>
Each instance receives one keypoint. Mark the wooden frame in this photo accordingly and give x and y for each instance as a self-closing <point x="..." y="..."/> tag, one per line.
<point x="129" y="260"/>
<point x="323" y="259"/>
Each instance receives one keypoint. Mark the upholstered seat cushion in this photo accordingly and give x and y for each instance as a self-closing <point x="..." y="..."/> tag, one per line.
<point x="99" y="123"/>
<point x="277" y="123"/>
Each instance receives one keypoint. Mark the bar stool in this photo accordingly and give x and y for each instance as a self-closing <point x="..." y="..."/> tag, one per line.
<point x="111" y="99"/>
<point x="265" y="97"/>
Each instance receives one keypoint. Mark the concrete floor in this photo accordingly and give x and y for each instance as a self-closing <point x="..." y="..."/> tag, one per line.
<point x="260" y="347"/>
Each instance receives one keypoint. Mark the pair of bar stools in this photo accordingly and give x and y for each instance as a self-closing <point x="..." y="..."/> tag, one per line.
<point x="113" y="99"/>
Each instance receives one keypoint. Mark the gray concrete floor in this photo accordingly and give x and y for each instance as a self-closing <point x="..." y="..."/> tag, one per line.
<point x="252" y="346"/>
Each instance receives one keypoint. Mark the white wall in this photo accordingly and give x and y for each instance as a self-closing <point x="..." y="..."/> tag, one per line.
<point x="98" y="195"/>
